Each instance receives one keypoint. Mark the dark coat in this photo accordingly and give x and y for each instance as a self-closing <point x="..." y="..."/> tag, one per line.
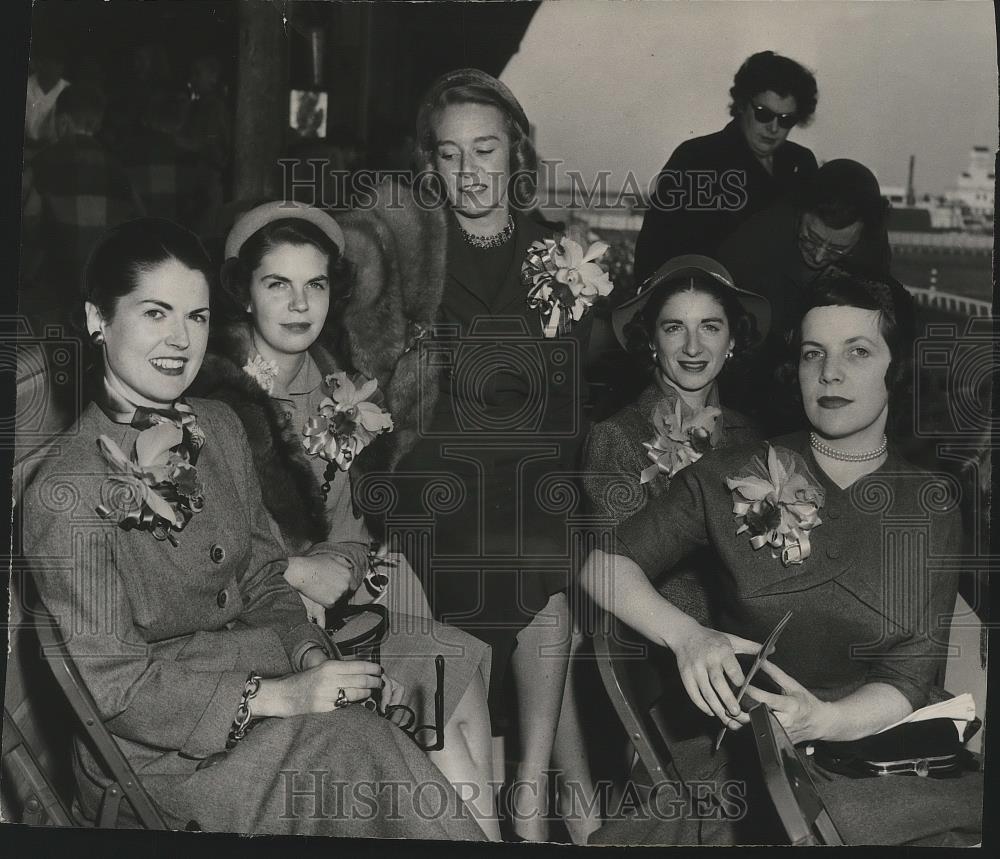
<point x="870" y="604"/>
<point x="164" y="638"/>
<point x="679" y="222"/>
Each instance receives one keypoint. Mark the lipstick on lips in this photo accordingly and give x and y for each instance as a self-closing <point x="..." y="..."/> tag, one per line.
<point x="169" y="366"/>
<point x="296" y="327"/>
<point x="833" y="402"/>
<point x="693" y="366"/>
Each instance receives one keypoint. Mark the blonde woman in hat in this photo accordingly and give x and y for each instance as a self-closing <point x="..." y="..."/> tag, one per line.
<point x="150" y="545"/>
<point x="287" y="276"/>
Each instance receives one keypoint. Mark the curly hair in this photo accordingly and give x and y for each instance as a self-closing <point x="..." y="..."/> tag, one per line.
<point x="523" y="166"/>
<point x="838" y="287"/>
<point x="640" y="332"/>
<point x="237" y="272"/>
<point x="767" y="70"/>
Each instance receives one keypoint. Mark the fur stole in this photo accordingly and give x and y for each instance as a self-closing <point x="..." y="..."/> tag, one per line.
<point x="399" y="250"/>
<point x="293" y="495"/>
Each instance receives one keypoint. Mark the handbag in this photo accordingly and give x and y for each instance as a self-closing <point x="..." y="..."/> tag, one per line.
<point x="931" y="747"/>
<point x="357" y="631"/>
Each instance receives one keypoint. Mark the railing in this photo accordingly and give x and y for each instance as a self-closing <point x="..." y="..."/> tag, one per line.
<point x="949" y="303"/>
<point x="954" y="242"/>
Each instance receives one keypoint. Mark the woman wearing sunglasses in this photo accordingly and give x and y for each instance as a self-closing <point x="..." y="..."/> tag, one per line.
<point x="813" y="523"/>
<point x="151" y="546"/>
<point x="288" y="277"/>
<point x="749" y="164"/>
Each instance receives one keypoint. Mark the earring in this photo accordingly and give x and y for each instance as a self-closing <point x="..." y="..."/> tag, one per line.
<point x="97" y="338"/>
<point x="729" y="354"/>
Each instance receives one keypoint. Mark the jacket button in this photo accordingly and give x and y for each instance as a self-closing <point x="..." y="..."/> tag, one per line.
<point x="833" y="552"/>
<point x="222" y="599"/>
<point x="217" y="554"/>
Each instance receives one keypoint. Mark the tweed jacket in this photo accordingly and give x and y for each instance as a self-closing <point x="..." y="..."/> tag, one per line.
<point x="693" y="219"/>
<point x="294" y="497"/>
<point x="871" y="603"/>
<point x="614" y="457"/>
<point x="164" y="636"/>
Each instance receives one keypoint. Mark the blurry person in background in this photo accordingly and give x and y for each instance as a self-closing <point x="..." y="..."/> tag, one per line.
<point x="838" y="217"/>
<point x="208" y="130"/>
<point x="74" y="191"/>
<point x="712" y="184"/>
<point x="44" y="86"/>
<point x="172" y="183"/>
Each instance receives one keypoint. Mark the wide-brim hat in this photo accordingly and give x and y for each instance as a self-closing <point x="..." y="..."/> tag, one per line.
<point x="693" y="268"/>
<point x="260" y="216"/>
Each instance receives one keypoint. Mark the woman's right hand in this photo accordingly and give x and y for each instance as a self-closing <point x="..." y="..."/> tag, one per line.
<point x="709" y="670"/>
<point x="323" y="577"/>
<point x="316" y="690"/>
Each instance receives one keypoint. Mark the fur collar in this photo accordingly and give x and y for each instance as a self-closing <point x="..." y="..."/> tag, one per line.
<point x="291" y="492"/>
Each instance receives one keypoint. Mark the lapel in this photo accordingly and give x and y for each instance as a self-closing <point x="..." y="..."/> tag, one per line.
<point x="847" y="545"/>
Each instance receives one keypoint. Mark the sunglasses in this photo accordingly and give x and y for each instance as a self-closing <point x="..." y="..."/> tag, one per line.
<point x="764" y="115"/>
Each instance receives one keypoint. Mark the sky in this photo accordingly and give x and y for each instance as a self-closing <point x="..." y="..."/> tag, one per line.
<point x="617" y="84"/>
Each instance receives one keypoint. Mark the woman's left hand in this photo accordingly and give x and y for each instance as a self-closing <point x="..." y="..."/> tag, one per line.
<point x="798" y="711"/>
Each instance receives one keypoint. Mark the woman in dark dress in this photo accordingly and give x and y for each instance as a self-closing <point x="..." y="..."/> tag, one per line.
<point x="486" y="410"/>
<point x="810" y="523"/>
<point x="171" y="595"/>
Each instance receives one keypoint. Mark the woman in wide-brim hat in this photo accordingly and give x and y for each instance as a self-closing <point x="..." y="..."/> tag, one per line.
<point x="687" y="325"/>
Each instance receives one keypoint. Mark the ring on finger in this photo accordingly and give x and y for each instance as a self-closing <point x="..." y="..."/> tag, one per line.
<point x="341" y="699"/>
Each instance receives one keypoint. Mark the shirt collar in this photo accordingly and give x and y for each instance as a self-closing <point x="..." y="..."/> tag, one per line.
<point x="308" y="379"/>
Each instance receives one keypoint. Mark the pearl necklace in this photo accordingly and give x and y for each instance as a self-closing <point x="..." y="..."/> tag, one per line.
<point x="844" y="456"/>
<point x="493" y="241"/>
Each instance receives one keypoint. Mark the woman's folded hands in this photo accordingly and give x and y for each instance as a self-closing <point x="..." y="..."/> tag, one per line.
<point x="320" y="689"/>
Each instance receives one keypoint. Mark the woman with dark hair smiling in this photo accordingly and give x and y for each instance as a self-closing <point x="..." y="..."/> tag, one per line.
<point x="805" y="523"/>
<point x="170" y="593"/>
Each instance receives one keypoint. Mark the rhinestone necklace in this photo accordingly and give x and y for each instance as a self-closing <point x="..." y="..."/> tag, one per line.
<point x="844" y="456"/>
<point x="493" y="241"/>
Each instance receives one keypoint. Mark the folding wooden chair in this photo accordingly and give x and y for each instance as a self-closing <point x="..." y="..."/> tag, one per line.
<point x="39" y="801"/>
<point x="635" y="687"/>
<point x="124" y="782"/>
<point x="799" y="806"/>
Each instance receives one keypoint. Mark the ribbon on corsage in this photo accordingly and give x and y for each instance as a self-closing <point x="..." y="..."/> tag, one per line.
<point x="563" y="281"/>
<point x="157" y="489"/>
<point x="683" y="436"/>
<point x="347" y="421"/>
<point x="777" y="504"/>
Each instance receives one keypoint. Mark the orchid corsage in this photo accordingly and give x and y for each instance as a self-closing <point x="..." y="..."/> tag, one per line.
<point x="777" y="503"/>
<point x="262" y="371"/>
<point x="347" y="422"/>
<point x="679" y="440"/>
<point x="157" y="489"/>
<point x="563" y="281"/>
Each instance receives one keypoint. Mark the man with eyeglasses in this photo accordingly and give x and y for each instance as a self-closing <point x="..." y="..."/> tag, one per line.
<point x="712" y="184"/>
<point x="837" y="218"/>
